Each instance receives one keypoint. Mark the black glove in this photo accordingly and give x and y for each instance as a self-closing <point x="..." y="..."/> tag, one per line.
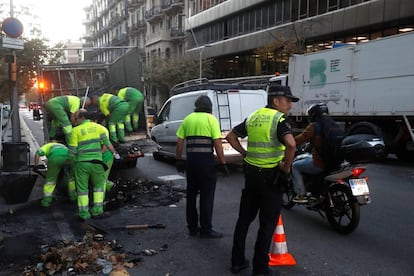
<point x="36" y="168"/>
<point x="224" y="169"/>
<point x="180" y="165"/>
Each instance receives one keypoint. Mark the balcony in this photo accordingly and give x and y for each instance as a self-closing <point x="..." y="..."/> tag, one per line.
<point x="177" y="33"/>
<point x="121" y="40"/>
<point x="138" y="27"/>
<point x="154" y="14"/>
<point x="172" y="6"/>
<point x="133" y="3"/>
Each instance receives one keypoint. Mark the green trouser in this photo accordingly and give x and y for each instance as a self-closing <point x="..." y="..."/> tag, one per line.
<point x="55" y="164"/>
<point x="135" y="106"/>
<point x="59" y="117"/>
<point x="84" y="171"/>
<point x="116" y="120"/>
<point x="71" y="184"/>
<point x="108" y="160"/>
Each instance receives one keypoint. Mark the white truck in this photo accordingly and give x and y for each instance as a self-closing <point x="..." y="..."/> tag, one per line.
<point x="368" y="86"/>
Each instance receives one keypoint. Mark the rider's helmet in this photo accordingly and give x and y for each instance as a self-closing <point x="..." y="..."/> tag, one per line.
<point x="316" y="111"/>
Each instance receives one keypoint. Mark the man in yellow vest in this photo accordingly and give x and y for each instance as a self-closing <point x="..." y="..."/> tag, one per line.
<point x="115" y="109"/>
<point x="85" y="154"/>
<point x="267" y="160"/>
<point x="135" y="100"/>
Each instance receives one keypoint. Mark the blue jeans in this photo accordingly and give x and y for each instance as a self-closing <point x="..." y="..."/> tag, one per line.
<point x="304" y="165"/>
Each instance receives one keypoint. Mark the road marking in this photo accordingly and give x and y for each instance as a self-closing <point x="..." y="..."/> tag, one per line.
<point x="171" y="177"/>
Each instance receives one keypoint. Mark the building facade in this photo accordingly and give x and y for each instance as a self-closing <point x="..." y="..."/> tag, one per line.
<point x="229" y="33"/>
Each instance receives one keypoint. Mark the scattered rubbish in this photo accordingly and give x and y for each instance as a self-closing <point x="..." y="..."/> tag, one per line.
<point x="141" y="193"/>
<point x="87" y="256"/>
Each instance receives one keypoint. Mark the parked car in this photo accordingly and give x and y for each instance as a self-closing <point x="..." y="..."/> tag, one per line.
<point x="231" y="105"/>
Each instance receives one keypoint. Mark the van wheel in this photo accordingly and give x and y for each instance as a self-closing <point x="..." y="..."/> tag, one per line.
<point x="157" y="156"/>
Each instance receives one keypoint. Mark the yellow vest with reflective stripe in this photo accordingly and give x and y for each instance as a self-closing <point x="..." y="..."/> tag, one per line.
<point x="264" y="149"/>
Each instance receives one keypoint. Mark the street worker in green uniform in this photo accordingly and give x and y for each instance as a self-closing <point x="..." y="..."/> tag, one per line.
<point x="56" y="154"/>
<point x="201" y="131"/>
<point x="135" y="99"/>
<point x="267" y="161"/>
<point x="116" y="109"/>
<point x="85" y="153"/>
<point x="58" y="109"/>
<point x="107" y="156"/>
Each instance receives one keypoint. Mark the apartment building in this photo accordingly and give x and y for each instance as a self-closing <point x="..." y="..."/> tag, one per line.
<point x="229" y="32"/>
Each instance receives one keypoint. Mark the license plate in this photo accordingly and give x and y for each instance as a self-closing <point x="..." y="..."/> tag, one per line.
<point x="359" y="186"/>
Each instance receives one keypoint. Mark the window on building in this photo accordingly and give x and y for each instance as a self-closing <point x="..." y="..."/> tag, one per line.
<point x="303" y="9"/>
<point x="313" y="8"/>
<point x="333" y="5"/>
<point x="323" y="6"/>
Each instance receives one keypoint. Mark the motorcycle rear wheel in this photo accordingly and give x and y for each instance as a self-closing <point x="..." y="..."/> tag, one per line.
<point x="344" y="214"/>
<point x="287" y="196"/>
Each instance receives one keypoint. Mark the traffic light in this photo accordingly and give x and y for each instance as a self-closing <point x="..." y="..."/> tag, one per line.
<point x="41" y="86"/>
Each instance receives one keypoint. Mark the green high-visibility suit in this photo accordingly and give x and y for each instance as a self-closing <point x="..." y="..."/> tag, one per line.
<point x="135" y="99"/>
<point x="85" y="151"/>
<point x="56" y="155"/>
<point x="59" y="108"/>
<point x="116" y="108"/>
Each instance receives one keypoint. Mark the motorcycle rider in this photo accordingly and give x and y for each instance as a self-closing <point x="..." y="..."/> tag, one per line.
<point x="313" y="164"/>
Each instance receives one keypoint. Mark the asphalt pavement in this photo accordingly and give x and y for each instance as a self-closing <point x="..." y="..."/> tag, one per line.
<point x="28" y="231"/>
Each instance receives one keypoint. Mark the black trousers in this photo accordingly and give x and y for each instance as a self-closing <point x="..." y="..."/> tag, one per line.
<point x="260" y="196"/>
<point x="201" y="178"/>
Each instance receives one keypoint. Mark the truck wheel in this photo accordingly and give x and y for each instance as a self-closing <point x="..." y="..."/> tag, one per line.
<point x="364" y="128"/>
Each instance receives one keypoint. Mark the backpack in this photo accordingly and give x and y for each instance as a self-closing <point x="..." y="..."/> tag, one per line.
<point x="332" y="136"/>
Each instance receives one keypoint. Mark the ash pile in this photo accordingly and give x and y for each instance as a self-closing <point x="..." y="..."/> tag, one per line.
<point x="135" y="193"/>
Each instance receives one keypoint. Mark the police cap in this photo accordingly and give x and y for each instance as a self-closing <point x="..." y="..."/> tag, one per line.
<point x="274" y="89"/>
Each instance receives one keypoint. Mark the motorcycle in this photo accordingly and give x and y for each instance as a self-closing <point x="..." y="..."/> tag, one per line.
<point x="336" y="195"/>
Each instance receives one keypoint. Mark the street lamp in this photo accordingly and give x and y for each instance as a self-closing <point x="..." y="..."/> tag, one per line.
<point x="201" y="50"/>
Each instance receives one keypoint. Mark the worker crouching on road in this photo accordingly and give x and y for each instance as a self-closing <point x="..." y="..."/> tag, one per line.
<point x="135" y="100"/>
<point x="58" y="109"/>
<point x="56" y="154"/>
<point x="85" y="154"/>
<point x="201" y="131"/>
<point x="267" y="160"/>
<point x="115" y="109"/>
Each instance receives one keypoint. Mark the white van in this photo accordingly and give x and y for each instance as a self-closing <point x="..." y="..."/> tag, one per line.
<point x="231" y="105"/>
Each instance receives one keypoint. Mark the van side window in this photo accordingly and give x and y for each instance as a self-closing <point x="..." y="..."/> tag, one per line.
<point x="182" y="107"/>
<point x="165" y="112"/>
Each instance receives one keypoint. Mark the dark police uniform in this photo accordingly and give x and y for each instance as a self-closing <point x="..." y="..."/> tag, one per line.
<point x="265" y="129"/>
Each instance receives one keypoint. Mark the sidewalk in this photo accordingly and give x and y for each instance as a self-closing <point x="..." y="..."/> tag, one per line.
<point x="36" y="194"/>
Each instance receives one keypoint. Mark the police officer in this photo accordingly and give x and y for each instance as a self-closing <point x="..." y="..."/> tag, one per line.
<point x="201" y="131"/>
<point x="267" y="160"/>
<point x="116" y="109"/>
<point x="56" y="154"/>
<point x="135" y="100"/>
<point x="58" y="109"/>
<point x="85" y="153"/>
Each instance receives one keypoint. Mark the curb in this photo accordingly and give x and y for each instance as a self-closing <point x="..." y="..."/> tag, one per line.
<point x="37" y="191"/>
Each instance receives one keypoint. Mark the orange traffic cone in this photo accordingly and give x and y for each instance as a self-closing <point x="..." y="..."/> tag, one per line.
<point x="278" y="251"/>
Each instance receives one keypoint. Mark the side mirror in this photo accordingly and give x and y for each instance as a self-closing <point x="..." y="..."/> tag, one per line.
<point x="157" y="120"/>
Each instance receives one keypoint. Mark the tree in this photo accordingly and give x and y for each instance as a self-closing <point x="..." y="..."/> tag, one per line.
<point x="165" y="73"/>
